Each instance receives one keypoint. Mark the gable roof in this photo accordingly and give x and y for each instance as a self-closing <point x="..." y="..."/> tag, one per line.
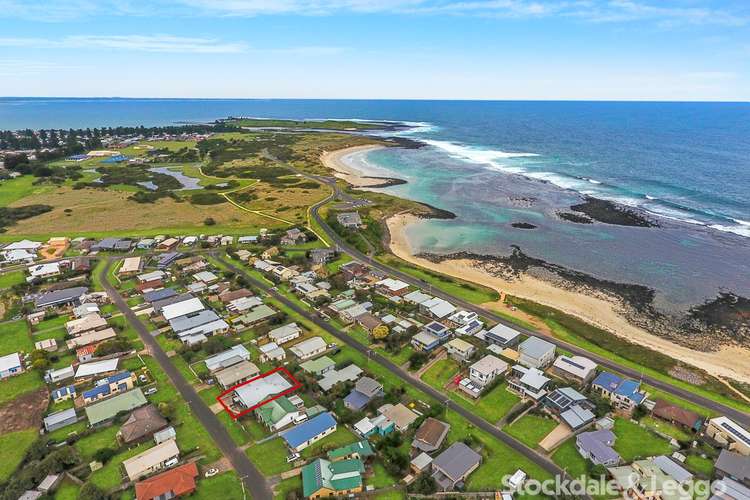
<point x="430" y="434"/>
<point x="139" y="464"/>
<point x="457" y="460"/>
<point x="337" y="476"/>
<point x="173" y="483"/>
<point x="308" y="430"/>
<point x="142" y="422"/>
<point x="734" y="465"/>
<point x="597" y="445"/>
<point x="361" y="448"/>
<point x="535" y="347"/>
<point x="668" y="411"/>
<point x="104" y="410"/>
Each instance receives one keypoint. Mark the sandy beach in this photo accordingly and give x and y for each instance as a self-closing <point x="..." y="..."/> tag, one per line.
<point x="728" y="361"/>
<point x="344" y="171"/>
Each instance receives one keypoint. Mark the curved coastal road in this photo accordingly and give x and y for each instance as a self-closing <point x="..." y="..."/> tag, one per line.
<point x="737" y="415"/>
<point x="254" y="481"/>
<point x="539" y="459"/>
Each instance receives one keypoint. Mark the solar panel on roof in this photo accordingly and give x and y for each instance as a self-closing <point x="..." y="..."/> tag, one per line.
<point x="573" y="363"/>
<point x="738" y="433"/>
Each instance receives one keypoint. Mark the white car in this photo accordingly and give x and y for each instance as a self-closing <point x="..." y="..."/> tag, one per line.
<point x="211" y="472"/>
<point x="291" y="458"/>
<point x="150" y="391"/>
<point x="172" y="462"/>
<point x="142" y="378"/>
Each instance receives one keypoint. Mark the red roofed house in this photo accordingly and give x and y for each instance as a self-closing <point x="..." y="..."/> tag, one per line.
<point x="149" y="285"/>
<point x="173" y="483"/>
<point x="86" y="353"/>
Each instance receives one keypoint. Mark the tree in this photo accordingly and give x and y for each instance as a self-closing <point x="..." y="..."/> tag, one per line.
<point x="423" y="485"/>
<point x="91" y="492"/>
<point x="104" y="455"/>
<point x="380" y="332"/>
<point x="209" y="221"/>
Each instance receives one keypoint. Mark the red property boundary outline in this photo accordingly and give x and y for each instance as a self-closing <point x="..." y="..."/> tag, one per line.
<point x="296" y="385"/>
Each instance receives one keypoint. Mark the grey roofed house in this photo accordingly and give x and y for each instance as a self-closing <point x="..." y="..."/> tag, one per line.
<point x="673" y="469"/>
<point x="189" y="321"/>
<point x="321" y="255"/>
<point x="236" y="373"/>
<point x="430" y="435"/>
<point x="454" y="465"/>
<point x="333" y="377"/>
<point x="577" y="417"/>
<point x="536" y="352"/>
<point x="60" y="419"/>
<point x="729" y="489"/>
<point x="61" y="297"/>
<point x="156" y="295"/>
<point x="597" y="447"/>
<point x="227" y="358"/>
<point x="733" y="465"/>
<point x="349" y="219"/>
<point x="368" y="386"/>
<point x="160" y="304"/>
<point x="563" y="398"/>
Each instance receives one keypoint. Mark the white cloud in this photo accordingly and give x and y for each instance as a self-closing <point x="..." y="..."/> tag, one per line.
<point x="143" y="43"/>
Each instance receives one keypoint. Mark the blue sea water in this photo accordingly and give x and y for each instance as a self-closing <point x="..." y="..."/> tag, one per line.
<point x="686" y="164"/>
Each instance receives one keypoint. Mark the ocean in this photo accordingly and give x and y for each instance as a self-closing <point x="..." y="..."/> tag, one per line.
<point x="686" y="165"/>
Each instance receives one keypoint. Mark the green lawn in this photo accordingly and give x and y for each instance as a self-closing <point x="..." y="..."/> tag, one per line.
<point x="440" y="373"/>
<point x="568" y="458"/>
<point x="342" y="436"/>
<point x="20" y="384"/>
<point x="68" y="490"/>
<point x="47" y="324"/>
<point x="103" y="438"/>
<point x="226" y="485"/>
<point x="14" y="445"/>
<point x="667" y="428"/>
<point x="270" y="457"/>
<point x="14" y="336"/>
<point x="697" y="463"/>
<point x="634" y="442"/>
<point x="380" y="477"/>
<point x="111" y="475"/>
<point x="15" y="189"/>
<point x="491" y="407"/>
<point x="531" y="429"/>
<point x="7" y="280"/>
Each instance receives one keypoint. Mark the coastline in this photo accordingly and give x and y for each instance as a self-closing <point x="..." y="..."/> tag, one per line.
<point x="334" y="160"/>
<point x="727" y="361"/>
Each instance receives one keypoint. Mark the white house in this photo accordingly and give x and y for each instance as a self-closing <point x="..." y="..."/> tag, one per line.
<point x="284" y="334"/>
<point x="10" y="365"/>
<point x="484" y="371"/>
<point x="309" y="348"/>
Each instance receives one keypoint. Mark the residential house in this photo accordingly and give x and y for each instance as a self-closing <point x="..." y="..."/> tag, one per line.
<point x="151" y="460"/>
<point x="503" y="336"/>
<point x="350" y="220"/>
<point x="252" y="395"/>
<point x="369" y="322"/>
<point x="236" y="374"/>
<point x="437" y="308"/>
<point x="563" y="398"/>
<point x="227" y="358"/>
<point x="379" y="425"/>
<point x="165" y="435"/>
<point x="284" y="334"/>
<point x="60" y="419"/>
<point x="256" y="316"/>
<point x="577" y="416"/>
<point x="242" y="304"/>
<point x="293" y="237"/>
<point x="85" y="324"/>
<point x="63" y="393"/>
<point x="677" y="415"/>
<point x="401" y="416"/>
<point x="321" y="255"/>
<point x="528" y="382"/>
<point x="597" y="446"/>
<point x="536" y="353"/>
<point x="318" y="366"/>
<point x="309" y="348"/>
<point x="10" y="365"/>
<point x="322" y="478"/>
<point x="365" y="390"/>
<point x="624" y="394"/>
<point x="114" y="384"/>
<point x="54" y="376"/>
<point x="729" y="489"/>
<point x="131" y="266"/>
<point x="421" y="463"/>
<point x="278" y="414"/>
<point x="142" y="423"/>
<point x="425" y="341"/>
<point x="361" y="450"/>
<point x="86" y="309"/>
<point x="729" y="434"/>
<point x="60" y="298"/>
<point x="733" y="466"/>
<point x="107" y="409"/>
<point x="269" y="253"/>
<point x="176" y="309"/>
<point x="228" y="296"/>
<point x="271" y="352"/>
<point x="178" y="482"/>
<point x="574" y="368"/>
<point x="91" y="337"/>
<point x="165" y="260"/>
<point x="452" y="467"/>
<point x="44" y="271"/>
<point x="487" y="369"/>
<point x="649" y="479"/>
<point x="349" y="373"/>
<point x="460" y="350"/>
<point x="104" y="367"/>
<point x="390" y="287"/>
<point x="303" y="435"/>
<point x="430" y="435"/>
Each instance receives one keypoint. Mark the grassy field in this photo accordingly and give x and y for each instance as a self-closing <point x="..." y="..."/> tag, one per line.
<point x="342" y="436"/>
<point x="283" y="488"/>
<point x="14" y="386"/>
<point x="666" y="428"/>
<point x="12" y="190"/>
<point x="226" y="485"/>
<point x="440" y="373"/>
<point x="491" y="407"/>
<point x="68" y="490"/>
<point x="111" y="474"/>
<point x="567" y="457"/>
<point x="14" y="446"/>
<point x="531" y="429"/>
<point x="7" y="280"/>
<point x="696" y="463"/>
<point x="633" y="442"/>
<point x="14" y="336"/>
<point x="269" y="457"/>
<point x="380" y="477"/>
<point x="103" y="438"/>
<point x="465" y="290"/>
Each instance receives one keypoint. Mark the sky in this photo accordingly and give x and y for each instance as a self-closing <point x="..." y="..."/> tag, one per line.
<point x="378" y="49"/>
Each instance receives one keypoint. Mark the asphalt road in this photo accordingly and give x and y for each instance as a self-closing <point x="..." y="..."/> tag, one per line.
<point x="478" y="422"/>
<point x="737" y="415"/>
<point x="254" y="481"/>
